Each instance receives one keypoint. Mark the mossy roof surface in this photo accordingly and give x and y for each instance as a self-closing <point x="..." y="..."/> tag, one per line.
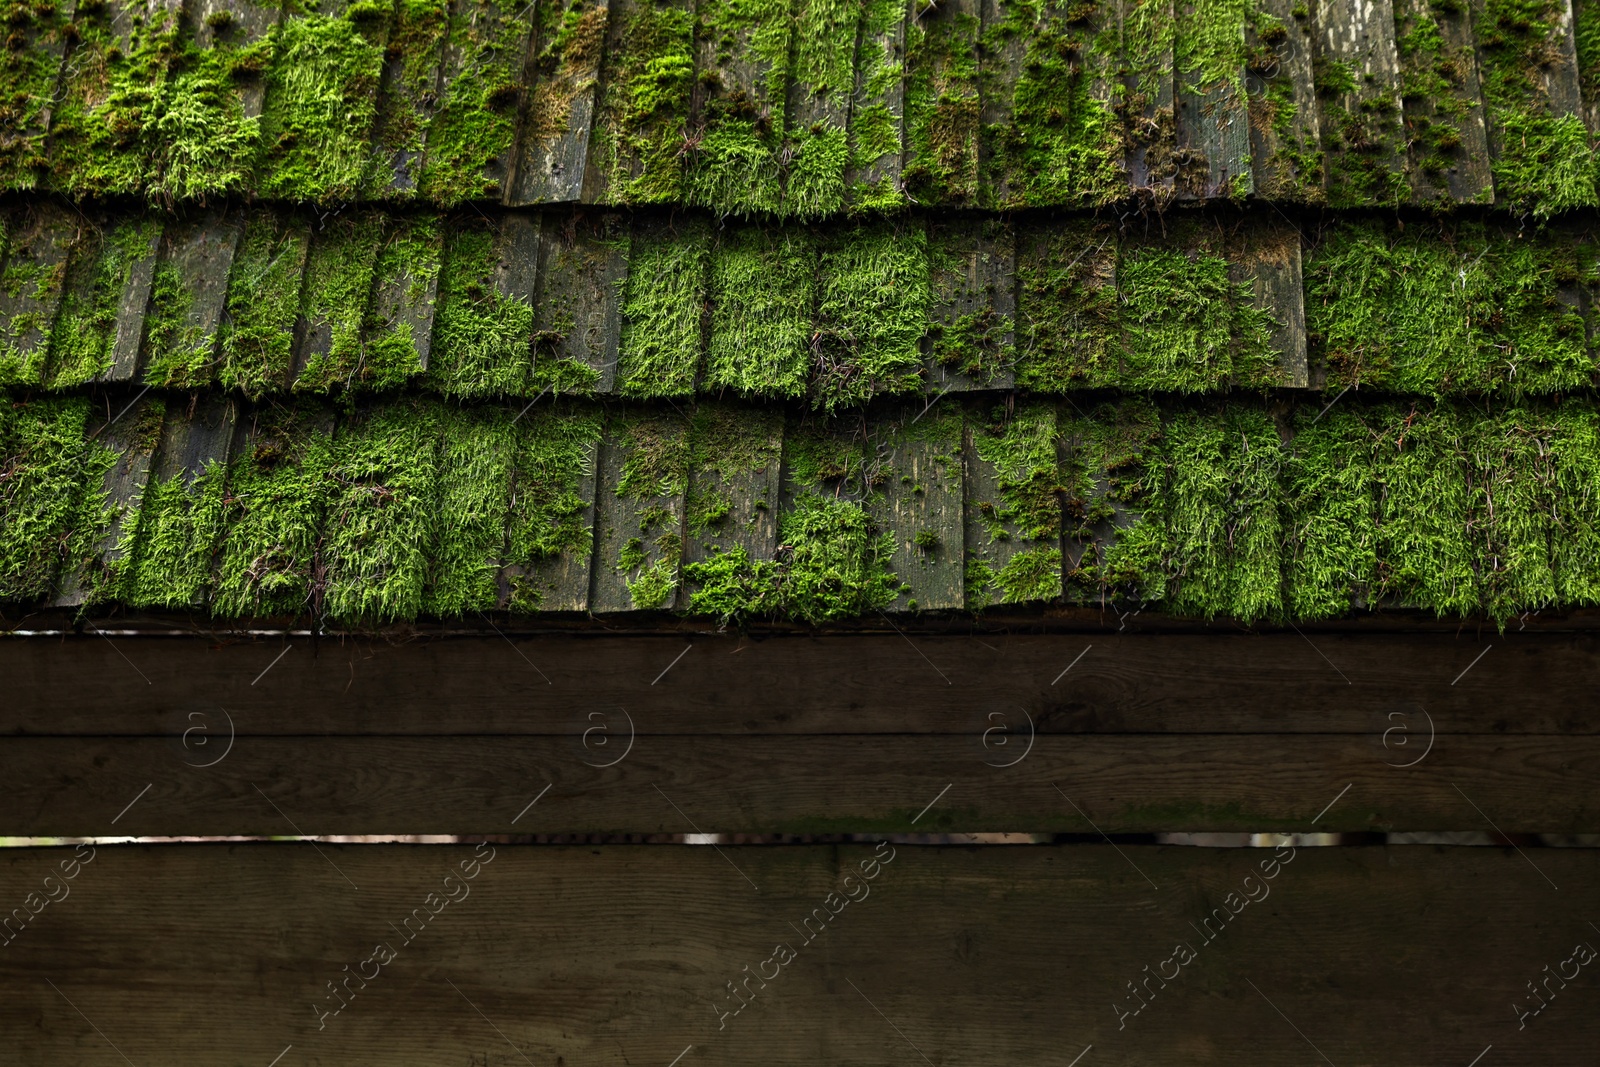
<point x="808" y="110"/>
<point x="800" y="312"/>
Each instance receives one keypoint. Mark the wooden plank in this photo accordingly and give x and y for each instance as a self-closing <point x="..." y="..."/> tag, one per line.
<point x="399" y="333"/>
<point x="1285" y="127"/>
<point x="564" y="71"/>
<point x="918" y="502"/>
<point x="97" y="144"/>
<point x="1265" y="254"/>
<point x="261" y="325"/>
<point x="340" y="278"/>
<point x="1447" y="141"/>
<point x="408" y="99"/>
<point x="972" y="270"/>
<point x="1013" y="506"/>
<point x="1135" y="680"/>
<point x="878" y="107"/>
<point x="29" y="75"/>
<point x="180" y="521"/>
<point x="731" y="525"/>
<point x="942" y="107"/>
<point x="1358" y="87"/>
<point x="472" y="135"/>
<point x="742" y="59"/>
<point x="640" y="514"/>
<point x="122" y="445"/>
<point x="1074" y="938"/>
<point x="821" y="83"/>
<point x="550" y="541"/>
<point x="640" y="137"/>
<point x="1213" y="124"/>
<point x="577" y="316"/>
<point x="187" y="298"/>
<point x="741" y="784"/>
<point x="39" y="240"/>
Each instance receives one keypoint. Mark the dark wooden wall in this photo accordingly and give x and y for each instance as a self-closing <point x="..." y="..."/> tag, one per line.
<point x="620" y="954"/>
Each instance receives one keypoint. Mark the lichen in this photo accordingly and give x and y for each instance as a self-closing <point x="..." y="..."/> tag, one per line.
<point x="872" y="313"/>
<point x="256" y="337"/>
<point x="763" y="297"/>
<point x="663" y="311"/>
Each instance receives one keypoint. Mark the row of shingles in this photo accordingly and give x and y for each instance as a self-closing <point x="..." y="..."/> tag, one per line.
<point x="407" y="508"/>
<point x="266" y="301"/>
<point x="259" y="300"/>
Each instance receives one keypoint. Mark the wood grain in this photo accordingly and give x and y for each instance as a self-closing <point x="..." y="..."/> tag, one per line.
<point x="624" y="955"/>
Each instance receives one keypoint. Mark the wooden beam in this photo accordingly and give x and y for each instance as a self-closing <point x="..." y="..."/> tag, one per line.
<point x="626" y="955"/>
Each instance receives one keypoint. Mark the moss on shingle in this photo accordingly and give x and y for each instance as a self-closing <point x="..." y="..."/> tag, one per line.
<point x="942" y="108"/>
<point x="647" y="80"/>
<point x="31" y="281"/>
<point x="384" y="519"/>
<point x="1067" y="308"/>
<point x="472" y="134"/>
<point x="549" y="516"/>
<point x="476" y="452"/>
<point x="1425" y="553"/>
<point x="1454" y="308"/>
<point x="29" y="68"/>
<point x="651" y="485"/>
<point x="734" y="167"/>
<point x="400" y="316"/>
<point x="822" y="80"/>
<point x="175" y="539"/>
<point x="277" y="499"/>
<point x="663" y="311"/>
<point x="1113" y="480"/>
<point x="177" y="352"/>
<point x="409" y="99"/>
<point x="256" y="342"/>
<point x="872" y="313"/>
<point x="85" y="330"/>
<point x="1019" y="447"/>
<point x="483" y="340"/>
<point x="43" y="475"/>
<point x="335" y="300"/>
<point x="763" y="298"/>
<point x="1330" y="501"/>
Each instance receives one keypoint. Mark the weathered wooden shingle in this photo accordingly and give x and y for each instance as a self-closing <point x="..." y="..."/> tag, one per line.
<point x="38" y="242"/>
<point x="564" y="70"/>
<point x="639" y="512"/>
<point x="187" y="298"/>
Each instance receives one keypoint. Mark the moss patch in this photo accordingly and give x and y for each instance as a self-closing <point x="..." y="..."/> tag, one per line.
<point x="85" y="330"/>
<point x="476" y="453"/>
<point x="174" y="540"/>
<point x="42" y="478"/>
<point x="821" y="81"/>
<point x="1330" y="510"/>
<point x="650" y="489"/>
<point x="335" y="302"/>
<point x="872" y="313"/>
<point x="483" y="341"/>
<point x="763" y="296"/>
<point x="400" y="317"/>
<point x="256" y="342"/>
<point x="744" y="47"/>
<point x="277" y="499"/>
<point x="1016" y="555"/>
<point x="663" y="311"/>
<point x="383" y="513"/>
<point x="1068" y="307"/>
<point x="31" y="283"/>
<point x="1449" y="308"/>
<point x="471" y="136"/>
<point x="647" y="81"/>
<point x="410" y="98"/>
<point x="942" y="108"/>
<point x="1113" y="481"/>
<point x="29" y="66"/>
<point x="550" y="517"/>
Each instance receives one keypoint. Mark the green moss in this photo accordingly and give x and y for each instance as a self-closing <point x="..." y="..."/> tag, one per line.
<point x="175" y="539"/>
<point x="405" y="279"/>
<point x="31" y="283"/>
<point x="1068" y="308"/>
<point x="1573" y="440"/>
<point x="476" y="455"/>
<point x="731" y="586"/>
<point x="1293" y="169"/>
<point x="384" y="518"/>
<point x="763" y="293"/>
<point x="1586" y="36"/>
<point x="178" y="354"/>
<point x="663" y="311"/>
<point x="651" y="486"/>
<point x="1425" y="555"/>
<point x="877" y="147"/>
<point x="647" y="80"/>
<point x="42" y="479"/>
<point x="941" y="108"/>
<point x="335" y="301"/>
<point x="85" y="330"/>
<point x="872" y="313"/>
<point x="734" y="163"/>
<point x="321" y="103"/>
<point x="821" y="82"/>
<point x="1018" y="451"/>
<point x="550" y="518"/>
<point x="1542" y="160"/>
<point x="1330" y="509"/>
<point x="1435" y="98"/>
<point x="277" y="501"/>
<point x="570" y="37"/>
<point x="30" y="64"/>
<point x="1454" y="308"/>
<point x="472" y="134"/>
<point x="1209" y="45"/>
<point x="483" y="341"/>
<point x="833" y="562"/>
<point x="1113" y="478"/>
<point x="410" y="91"/>
<point x="256" y="343"/>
